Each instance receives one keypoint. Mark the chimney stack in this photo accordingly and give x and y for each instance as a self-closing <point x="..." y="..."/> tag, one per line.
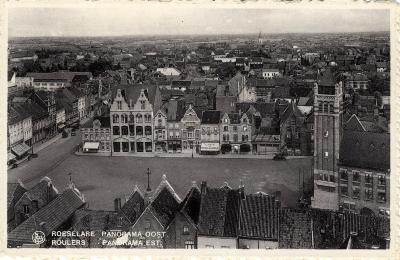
<point x="117" y="204"/>
<point x="203" y="187"/>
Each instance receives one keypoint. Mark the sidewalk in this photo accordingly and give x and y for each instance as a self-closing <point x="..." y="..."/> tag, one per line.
<point x="40" y="146"/>
<point x="188" y="155"/>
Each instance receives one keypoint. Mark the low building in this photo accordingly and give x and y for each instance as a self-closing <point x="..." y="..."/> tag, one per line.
<point x="96" y="135"/>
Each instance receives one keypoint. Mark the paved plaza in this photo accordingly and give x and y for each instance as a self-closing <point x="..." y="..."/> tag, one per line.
<point x="102" y="179"/>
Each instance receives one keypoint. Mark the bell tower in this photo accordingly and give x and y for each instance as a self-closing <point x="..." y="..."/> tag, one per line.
<point x="328" y="112"/>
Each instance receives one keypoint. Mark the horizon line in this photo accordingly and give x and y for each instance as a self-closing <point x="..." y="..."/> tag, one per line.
<point x="200" y="34"/>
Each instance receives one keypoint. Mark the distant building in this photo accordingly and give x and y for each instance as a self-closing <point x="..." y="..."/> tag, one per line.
<point x="270" y="73"/>
<point x="190" y="124"/>
<point x="235" y="133"/>
<point x="55" y="80"/>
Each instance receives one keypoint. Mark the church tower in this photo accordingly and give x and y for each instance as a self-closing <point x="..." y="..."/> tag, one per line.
<point x="328" y="111"/>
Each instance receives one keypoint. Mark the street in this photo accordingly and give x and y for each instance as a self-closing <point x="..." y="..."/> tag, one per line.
<point x="102" y="179"/>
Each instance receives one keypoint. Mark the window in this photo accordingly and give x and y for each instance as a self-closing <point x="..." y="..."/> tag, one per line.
<point x="124" y="130"/>
<point x="189" y="244"/>
<point x="117" y="147"/>
<point x="115" y="119"/>
<point x="244" y="128"/>
<point x="139" y="118"/>
<point x="185" y="230"/>
<point x="226" y="128"/>
<point x="124" y="118"/>
<point x="235" y="137"/>
<point x="147" y="224"/>
<point x="343" y="174"/>
<point x="381" y="180"/>
<point x="119" y="105"/>
<point x="159" y="122"/>
<point x="139" y="147"/>
<point x="147" y="118"/>
<point x="356" y="192"/>
<point x="234" y="128"/>
<point x="147" y="130"/>
<point x="225" y="120"/>
<point x="142" y="104"/>
<point x="139" y="130"/>
<point x="381" y="196"/>
<point x="326" y="154"/>
<point x="344" y="191"/>
<point x="26" y="209"/>
<point x="368" y="178"/>
<point x="356" y="176"/>
<point x="368" y="194"/>
<point x="245" y="138"/>
<point x="115" y="130"/>
<point x="125" y="146"/>
<point x="149" y="146"/>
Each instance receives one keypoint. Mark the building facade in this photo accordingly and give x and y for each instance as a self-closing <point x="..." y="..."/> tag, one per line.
<point x="327" y="135"/>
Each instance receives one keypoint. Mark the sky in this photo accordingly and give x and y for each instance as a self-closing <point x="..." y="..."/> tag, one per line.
<point x="164" y="20"/>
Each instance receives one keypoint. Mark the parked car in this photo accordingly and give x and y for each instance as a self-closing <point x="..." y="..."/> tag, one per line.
<point x="64" y="134"/>
<point x="279" y="157"/>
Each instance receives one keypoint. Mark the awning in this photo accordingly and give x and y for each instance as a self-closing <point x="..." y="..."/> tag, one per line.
<point x="20" y="149"/>
<point x="91" y="146"/>
<point x="212" y="147"/>
<point x="10" y="156"/>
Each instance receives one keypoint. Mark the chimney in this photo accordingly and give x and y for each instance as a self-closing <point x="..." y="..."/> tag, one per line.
<point x="203" y="187"/>
<point x="117" y="204"/>
<point x="242" y="195"/>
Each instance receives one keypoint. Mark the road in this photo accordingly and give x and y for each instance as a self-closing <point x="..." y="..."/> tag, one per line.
<point x="102" y="179"/>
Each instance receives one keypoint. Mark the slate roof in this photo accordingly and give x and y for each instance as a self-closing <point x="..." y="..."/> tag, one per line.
<point x="191" y="204"/>
<point x="132" y="92"/>
<point x="365" y="150"/>
<point x="290" y="110"/>
<point x="219" y="212"/>
<point x="53" y="215"/>
<point x="259" y="215"/>
<point x="14" y="193"/>
<point x="164" y="207"/>
<point x="36" y="111"/>
<point x="134" y="206"/>
<point x="210" y="117"/>
<point x="265" y="109"/>
<point x="325" y="229"/>
<point x="64" y="75"/>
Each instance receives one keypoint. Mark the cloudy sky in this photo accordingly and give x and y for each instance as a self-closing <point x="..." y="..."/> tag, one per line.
<point x="142" y="20"/>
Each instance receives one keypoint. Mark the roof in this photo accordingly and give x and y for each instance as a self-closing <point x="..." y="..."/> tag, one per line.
<point x="327" y="78"/>
<point x="64" y="75"/>
<point x="191" y="204"/>
<point x="164" y="206"/>
<point x="290" y="110"/>
<point x="219" y="212"/>
<point x="210" y="117"/>
<point x="234" y="118"/>
<point x="265" y="109"/>
<point x="132" y="92"/>
<point x="325" y="229"/>
<point x="53" y="215"/>
<point x="36" y="111"/>
<point x="134" y="206"/>
<point x="367" y="150"/>
<point x="14" y="193"/>
<point x="259" y="215"/>
<point x="175" y="110"/>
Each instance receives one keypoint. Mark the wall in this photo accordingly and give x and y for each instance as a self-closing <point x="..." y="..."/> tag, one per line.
<point x="257" y="244"/>
<point x="215" y="242"/>
<point x="175" y="237"/>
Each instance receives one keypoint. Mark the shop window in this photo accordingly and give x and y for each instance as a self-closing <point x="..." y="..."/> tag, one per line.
<point x="125" y="146"/>
<point x="147" y="130"/>
<point x="149" y="146"/>
<point x="139" y="147"/>
<point x="117" y="147"/>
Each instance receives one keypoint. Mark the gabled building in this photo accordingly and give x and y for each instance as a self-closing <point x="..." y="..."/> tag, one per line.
<point x="190" y="124"/>
<point x="160" y="130"/>
<point x="182" y="231"/>
<point x="156" y="217"/>
<point x="235" y="133"/>
<point x="210" y="132"/>
<point x="131" y="116"/>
